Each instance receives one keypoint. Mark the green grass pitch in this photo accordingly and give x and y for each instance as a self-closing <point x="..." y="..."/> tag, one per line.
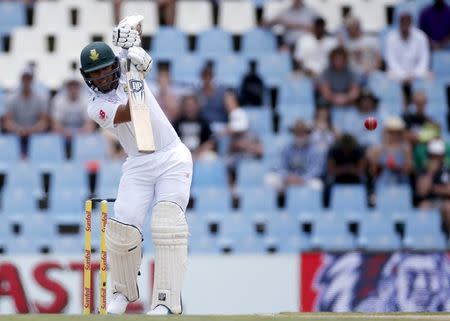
<point x="272" y="317"/>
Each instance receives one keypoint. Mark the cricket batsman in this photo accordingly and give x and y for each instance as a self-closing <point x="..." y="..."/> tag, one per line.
<point x="160" y="180"/>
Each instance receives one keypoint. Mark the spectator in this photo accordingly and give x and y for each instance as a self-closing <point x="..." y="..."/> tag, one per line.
<point x="364" y="50"/>
<point x="338" y="85"/>
<point x="433" y="185"/>
<point x="117" y="6"/>
<point x="391" y="161"/>
<point x="212" y="100"/>
<point x="302" y="160"/>
<point x="166" y="93"/>
<point x="297" y="20"/>
<point x="435" y="22"/>
<point x="26" y="111"/>
<point x="166" y="11"/>
<point x="418" y="122"/>
<point x="345" y="165"/>
<point x="243" y="144"/>
<point x="421" y="155"/>
<point x="69" y="113"/>
<point x="407" y="52"/>
<point x="312" y="50"/>
<point x="323" y="133"/>
<point x="194" y="130"/>
<point x="252" y="87"/>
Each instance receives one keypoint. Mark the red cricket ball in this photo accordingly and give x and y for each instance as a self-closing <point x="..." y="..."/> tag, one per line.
<point x="370" y="123"/>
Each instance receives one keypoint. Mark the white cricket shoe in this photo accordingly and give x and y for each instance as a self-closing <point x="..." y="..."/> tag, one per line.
<point x="159" y="310"/>
<point x="118" y="304"/>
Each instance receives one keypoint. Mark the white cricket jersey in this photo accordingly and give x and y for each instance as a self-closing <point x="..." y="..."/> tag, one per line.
<point x="102" y="109"/>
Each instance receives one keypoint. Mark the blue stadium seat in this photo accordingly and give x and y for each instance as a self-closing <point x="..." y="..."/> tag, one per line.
<point x="347" y="120"/>
<point x="250" y="173"/>
<point x="68" y="245"/>
<point x="290" y="114"/>
<point x="186" y="69"/>
<point x="257" y="42"/>
<point x="209" y="173"/>
<point x="223" y="143"/>
<point x="23" y="175"/>
<point x="64" y="200"/>
<point x="260" y="119"/>
<point x="277" y="143"/>
<point x="89" y="147"/>
<point x="108" y="178"/>
<point x="214" y="42"/>
<point x="274" y="68"/>
<point x="243" y="245"/>
<point x="197" y="224"/>
<point x="282" y="224"/>
<point x="169" y="43"/>
<point x="349" y="199"/>
<point x="68" y="175"/>
<point x="203" y="245"/>
<point x="298" y="92"/>
<point x="18" y="200"/>
<point x="212" y="199"/>
<point x="46" y="149"/>
<point x="394" y="199"/>
<point x="376" y="233"/>
<point x="303" y="200"/>
<point x="10" y="143"/>
<point x="38" y="226"/>
<point x="27" y="246"/>
<point x="236" y="226"/>
<point x="330" y="233"/>
<point x="293" y="244"/>
<point x="435" y="91"/>
<point x="423" y="231"/>
<point x="229" y="70"/>
<point x="13" y="15"/>
<point x="388" y="90"/>
<point x="257" y="199"/>
<point x="440" y="63"/>
<point x="6" y="232"/>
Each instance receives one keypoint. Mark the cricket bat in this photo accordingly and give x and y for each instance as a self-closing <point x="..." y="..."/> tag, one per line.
<point x="140" y="115"/>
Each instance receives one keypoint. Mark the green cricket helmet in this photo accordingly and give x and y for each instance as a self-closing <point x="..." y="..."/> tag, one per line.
<point x="94" y="57"/>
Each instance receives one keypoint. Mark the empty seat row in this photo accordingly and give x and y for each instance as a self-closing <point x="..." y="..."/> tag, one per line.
<point x="48" y="149"/>
<point x="241" y="234"/>
<point x="350" y="199"/>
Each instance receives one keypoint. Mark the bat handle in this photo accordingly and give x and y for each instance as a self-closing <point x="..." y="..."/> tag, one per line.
<point x="128" y="64"/>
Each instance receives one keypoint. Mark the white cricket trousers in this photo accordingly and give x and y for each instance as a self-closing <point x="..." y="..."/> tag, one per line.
<point x="165" y="175"/>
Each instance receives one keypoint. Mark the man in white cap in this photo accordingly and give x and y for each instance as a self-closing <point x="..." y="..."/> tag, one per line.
<point x="433" y="185"/>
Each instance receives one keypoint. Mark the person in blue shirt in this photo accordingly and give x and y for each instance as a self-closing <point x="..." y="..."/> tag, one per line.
<point x="302" y="161"/>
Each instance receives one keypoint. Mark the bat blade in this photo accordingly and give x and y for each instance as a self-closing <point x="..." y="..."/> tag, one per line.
<point x="140" y="115"/>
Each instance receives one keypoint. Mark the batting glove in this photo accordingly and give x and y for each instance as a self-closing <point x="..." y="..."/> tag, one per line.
<point x="125" y="37"/>
<point x="141" y="59"/>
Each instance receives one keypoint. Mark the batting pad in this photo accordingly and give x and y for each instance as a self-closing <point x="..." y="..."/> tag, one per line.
<point x="170" y="234"/>
<point x="124" y="246"/>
